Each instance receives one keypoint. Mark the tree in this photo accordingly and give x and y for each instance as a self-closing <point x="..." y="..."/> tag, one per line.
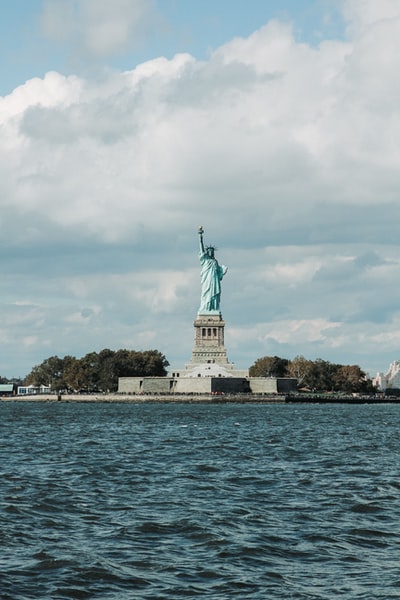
<point x="321" y="375"/>
<point x="269" y="366"/>
<point x="97" y="371"/>
<point x="74" y="375"/>
<point x="300" y="368"/>
<point x="155" y="363"/>
<point x="350" y="378"/>
<point x="107" y="379"/>
<point x="324" y="375"/>
<point x="49" y="372"/>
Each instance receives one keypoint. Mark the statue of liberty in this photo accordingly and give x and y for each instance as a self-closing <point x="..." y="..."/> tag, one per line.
<point x="211" y="276"/>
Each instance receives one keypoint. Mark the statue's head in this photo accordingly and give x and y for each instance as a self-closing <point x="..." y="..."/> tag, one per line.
<point x="210" y="251"/>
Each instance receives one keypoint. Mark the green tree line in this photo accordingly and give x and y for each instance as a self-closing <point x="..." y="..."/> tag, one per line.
<point x="319" y="374"/>
<point x="97" y="371"/>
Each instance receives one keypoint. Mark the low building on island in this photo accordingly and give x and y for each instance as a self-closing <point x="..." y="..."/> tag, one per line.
<point x="8" y="389"/>
<point x="29" y="390"/>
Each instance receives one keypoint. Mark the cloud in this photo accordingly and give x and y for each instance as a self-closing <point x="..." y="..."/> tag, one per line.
<point x="363" y="15"/>
<point x="261" y="115"/>
<point x="97" y="28"/>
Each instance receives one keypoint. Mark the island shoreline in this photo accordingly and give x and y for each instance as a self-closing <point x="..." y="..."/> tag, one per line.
<point x="204" y="399"/>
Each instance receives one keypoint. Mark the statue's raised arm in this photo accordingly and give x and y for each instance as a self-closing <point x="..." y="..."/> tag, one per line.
<point x="211" y="276"/>
<point x="201" y="231"/>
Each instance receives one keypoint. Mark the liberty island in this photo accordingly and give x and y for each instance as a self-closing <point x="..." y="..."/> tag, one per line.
<point x="208" y="370"/>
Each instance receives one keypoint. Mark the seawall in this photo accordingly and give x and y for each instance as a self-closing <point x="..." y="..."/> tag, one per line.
<point x="207" y="398"/>
<point x="150" y="398"/>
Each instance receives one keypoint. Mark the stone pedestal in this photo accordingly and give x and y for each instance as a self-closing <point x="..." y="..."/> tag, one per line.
<point x="209" y="340"/>
<point x="209" y="358"/>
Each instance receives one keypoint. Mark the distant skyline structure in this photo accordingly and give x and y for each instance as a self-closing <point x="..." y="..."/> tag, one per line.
<point x="390" y="379"/>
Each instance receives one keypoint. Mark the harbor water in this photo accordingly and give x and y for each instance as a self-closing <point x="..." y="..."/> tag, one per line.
<point x="167" y="501"/>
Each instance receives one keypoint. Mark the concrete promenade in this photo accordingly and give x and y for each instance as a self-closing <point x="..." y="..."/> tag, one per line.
<point x="206" y="398"/>
<point x="150" y="398"/>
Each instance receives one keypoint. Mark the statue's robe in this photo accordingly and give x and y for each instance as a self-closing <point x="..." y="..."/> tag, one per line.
<point x="211" y="275"/>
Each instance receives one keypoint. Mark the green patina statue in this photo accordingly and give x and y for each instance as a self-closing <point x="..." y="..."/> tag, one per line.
<point x="211" y="276"/>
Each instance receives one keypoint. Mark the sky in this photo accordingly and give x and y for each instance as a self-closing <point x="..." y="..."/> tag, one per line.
<point x="274" y="124"/>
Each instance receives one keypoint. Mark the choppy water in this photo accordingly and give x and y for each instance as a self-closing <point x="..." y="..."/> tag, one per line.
<point x="211" y="501"/>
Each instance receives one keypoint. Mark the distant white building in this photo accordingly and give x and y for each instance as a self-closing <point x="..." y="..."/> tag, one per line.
<point x="29" y="390"/>
<point x="391" y="379"/>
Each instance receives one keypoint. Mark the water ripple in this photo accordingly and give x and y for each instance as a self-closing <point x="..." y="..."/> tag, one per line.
<point x="190" y="501"/>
